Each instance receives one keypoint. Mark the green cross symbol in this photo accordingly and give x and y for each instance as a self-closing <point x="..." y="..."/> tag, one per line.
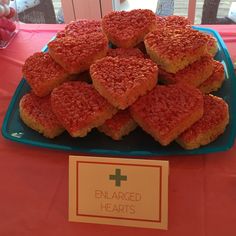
<point x="118" y="177"/>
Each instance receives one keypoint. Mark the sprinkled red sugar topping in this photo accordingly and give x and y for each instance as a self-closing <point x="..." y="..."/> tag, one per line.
<point x="80" y="27"/>
<point x="188" y="73"/>
<point x="175" y="42"/>
<point x="77" y="104"/>
<point x="215" y="80"/>
<point x="125" y="52"/>
<point x="120" y="119"/>
<point x="173" y="21"/>
<point x="165" y="107"/>
<point x="215" y="112"/>
<point x="74" y="49"/>
<point x="40" y="67"/>
<point x="40" y="109"/>
<point x="118" y="75"/>
<point x="122" y="24"/>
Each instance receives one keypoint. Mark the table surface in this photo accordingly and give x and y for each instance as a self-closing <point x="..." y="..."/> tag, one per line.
<point x="34" y="181"/>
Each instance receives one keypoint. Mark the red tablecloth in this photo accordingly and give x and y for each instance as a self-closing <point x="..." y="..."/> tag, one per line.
<point x="34" y="182"/>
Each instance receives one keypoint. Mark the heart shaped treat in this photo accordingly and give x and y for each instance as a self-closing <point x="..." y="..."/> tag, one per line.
<point x="175" y="48"/>
<point x="167" y="111"/>
<point x="76" y="55"/>
<point x="127" y="29"/>
<point x="80" y="27"/>
<point x="37" y="114"/>
<point x="122" y="80"/>
<point x="43" y="74"/>
<point x="212" y="124"/>
<point x="79" y="107"/>
<point x="119" y="125"/>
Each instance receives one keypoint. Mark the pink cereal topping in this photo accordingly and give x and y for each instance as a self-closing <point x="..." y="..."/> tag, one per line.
<point x="76" y="104"/>
<point x="175" y="42"/>
<point x="119" y="75"/>
<point x="123" y="25"/>
<point x="77" y="49"/>
<point x="215" y="111"/>
<point x="120" y="119"/>
<point x="167" y="106"/>
<point x="40" y="67"/>
<point x="80" y="27"/>
<point x="173" y="22"/>
<point x="40" y="109"/>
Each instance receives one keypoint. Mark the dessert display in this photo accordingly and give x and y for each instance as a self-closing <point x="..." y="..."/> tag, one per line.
<point x="95" y="77"/>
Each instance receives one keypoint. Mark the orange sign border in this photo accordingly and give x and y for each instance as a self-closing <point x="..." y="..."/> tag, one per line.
<point x="111" y="217"/>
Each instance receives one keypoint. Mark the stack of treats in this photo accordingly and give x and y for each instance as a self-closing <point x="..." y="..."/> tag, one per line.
<point x="158" y="75"/>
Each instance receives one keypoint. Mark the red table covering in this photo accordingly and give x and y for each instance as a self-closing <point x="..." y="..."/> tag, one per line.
<point x="34" y="181"/>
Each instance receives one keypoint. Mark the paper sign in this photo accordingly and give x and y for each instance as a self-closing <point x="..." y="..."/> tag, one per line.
<point x="115" y="191"/>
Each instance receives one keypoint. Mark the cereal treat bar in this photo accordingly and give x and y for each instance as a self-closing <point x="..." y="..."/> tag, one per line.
<point x="122" y="80"/>
<point x="37" y="114"/>
<point x="119" y="125"/>
<point x="43" y="74"/>
<point x="168" y="110"/>
<point x="79" y="107"/>
<point x="127" y="29"/>
<point x="212" y="124"/>
<point x="193" y="74"/>
<point x="174" y="49"/>
<point x="76" y="55"/>
<point x="215" y="81"/>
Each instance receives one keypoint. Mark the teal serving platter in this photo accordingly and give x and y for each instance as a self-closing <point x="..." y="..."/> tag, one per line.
<point x="138" y="143"/>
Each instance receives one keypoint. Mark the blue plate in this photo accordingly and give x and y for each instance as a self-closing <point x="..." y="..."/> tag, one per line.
<point x="138" y="143"/>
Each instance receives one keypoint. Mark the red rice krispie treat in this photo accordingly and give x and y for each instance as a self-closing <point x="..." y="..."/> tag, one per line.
<point x="122" y="80"/>
<point x="168" y="110"/>
<point x="80" y="27"/>
<point x="174" y="49"/>
<point x="212" y="124"/>
<point x="125" y="52"/>
<point x="215" y="81"/>
<point x="127" y="29"/>
<point x="119" y="125"/>
<point x="193" y="74"/>
<point x="43" y="74"/>
<point x="212" y="47"/>
<point x="37" y="114"/>
<point x="172" y="22"/>
<point x="76" y="55"/>
<point x="79" y="107"/>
